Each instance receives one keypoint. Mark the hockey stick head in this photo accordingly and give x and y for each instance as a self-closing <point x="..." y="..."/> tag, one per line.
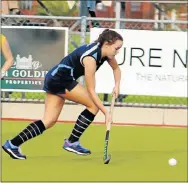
<point x="107" y="159"/>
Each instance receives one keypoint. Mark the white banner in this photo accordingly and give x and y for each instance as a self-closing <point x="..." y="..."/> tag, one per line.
<point x="151" y="62"/>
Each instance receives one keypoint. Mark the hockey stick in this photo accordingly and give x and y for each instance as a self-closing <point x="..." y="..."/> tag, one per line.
<point x="107" y="156"/>
<point x="48" y="12"/>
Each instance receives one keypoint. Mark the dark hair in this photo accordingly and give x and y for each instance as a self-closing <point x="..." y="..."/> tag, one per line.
<point x="109" y="36"/>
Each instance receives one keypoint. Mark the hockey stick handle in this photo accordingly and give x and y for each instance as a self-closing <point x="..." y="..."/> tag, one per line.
<point x="111" y="112"/>
<point x="41" y="3"/>
<point x="48" y="12"/>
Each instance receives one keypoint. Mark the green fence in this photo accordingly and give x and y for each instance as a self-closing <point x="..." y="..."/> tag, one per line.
<point x="78" y="35"/>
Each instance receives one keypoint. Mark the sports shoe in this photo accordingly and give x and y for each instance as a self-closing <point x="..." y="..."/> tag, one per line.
<point x="75" y="148"/>
<point x="13" y="151"/>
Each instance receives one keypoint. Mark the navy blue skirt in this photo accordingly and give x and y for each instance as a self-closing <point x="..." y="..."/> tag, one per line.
<point x="58" y="79"/>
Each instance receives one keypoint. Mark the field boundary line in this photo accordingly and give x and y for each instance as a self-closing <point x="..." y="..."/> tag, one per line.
<point x="101" y="123"/>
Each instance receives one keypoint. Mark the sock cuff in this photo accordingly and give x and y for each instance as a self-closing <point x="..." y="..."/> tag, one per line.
<point x="88" y="114"/>
<point x="40" y="124"/>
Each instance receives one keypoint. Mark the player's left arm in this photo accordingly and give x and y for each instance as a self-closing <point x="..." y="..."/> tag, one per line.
<point x="117" y="75"/>
<point x="8" y="57"/>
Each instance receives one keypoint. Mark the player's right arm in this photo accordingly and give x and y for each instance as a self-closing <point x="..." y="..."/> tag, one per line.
<point x="90" y="69"/>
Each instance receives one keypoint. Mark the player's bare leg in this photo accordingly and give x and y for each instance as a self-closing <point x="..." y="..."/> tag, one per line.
<point x="80" y="95"/>
<point x="53" y="107"/>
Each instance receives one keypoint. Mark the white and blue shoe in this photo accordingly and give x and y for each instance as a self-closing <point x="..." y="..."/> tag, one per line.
<point x="13" y="151"/>
<point x="76" y="148"/>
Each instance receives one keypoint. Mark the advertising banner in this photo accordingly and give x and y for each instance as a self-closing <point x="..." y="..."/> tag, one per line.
<point x="151" y="62"/>
<point x="35" y="51"/>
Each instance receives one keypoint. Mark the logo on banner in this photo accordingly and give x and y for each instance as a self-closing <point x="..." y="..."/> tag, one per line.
<point x="25" y="70"/>
<point x="26" y="63"/>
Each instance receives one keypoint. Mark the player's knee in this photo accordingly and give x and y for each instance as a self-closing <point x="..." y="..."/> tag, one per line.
<point x="93" y="108"/>
<point x="48" y="123"/>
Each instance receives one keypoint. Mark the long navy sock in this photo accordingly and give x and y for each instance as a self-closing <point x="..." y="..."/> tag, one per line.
<point x="82" y="123"/>
<point x="34" y="129"/>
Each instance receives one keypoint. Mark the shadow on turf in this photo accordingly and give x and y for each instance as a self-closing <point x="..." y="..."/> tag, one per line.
<point x="118" y="157"/>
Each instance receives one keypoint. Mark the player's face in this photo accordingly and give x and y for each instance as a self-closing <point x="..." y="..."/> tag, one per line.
<point x="113" y="49"/>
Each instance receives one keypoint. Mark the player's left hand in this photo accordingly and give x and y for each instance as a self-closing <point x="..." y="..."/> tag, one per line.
<point x="116" y="91"/>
